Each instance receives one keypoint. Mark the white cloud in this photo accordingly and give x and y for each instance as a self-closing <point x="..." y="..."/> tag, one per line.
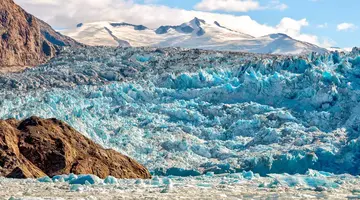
<point x="324" y="25"/>
<point x="237" y="5"/>
<point x="346" y="26"/>
<point x="348" y="48"/>
<point x="277" y="5"/>
<point x="68" y="13"/>
<point x="328" y="42"/>
<point x="228" y="5"/>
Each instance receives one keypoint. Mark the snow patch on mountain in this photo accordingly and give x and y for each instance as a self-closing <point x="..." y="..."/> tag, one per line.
<point x="194" y="34"/>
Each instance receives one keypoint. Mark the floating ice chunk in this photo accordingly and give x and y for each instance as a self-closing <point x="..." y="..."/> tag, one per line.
<point x="110" y="180"/>
<point x="139" y="182"/>
<point x="76" y="188"/>
<point x="235" y="176"/>
<point x="248" y="175"/>
<point x="261" y="185"/>
<point x="45" y="179"/>
<point x="156" y="181"/>
<point x="167" y="181"/>
<point x="205" y="185"/>
<point x="319" y="173"/>
<point x="302" y="180"/>
<point x="319" y="182"/>
<point x="83" y="179"/>
<point x="61" y="178"/>
<point x="70" y="177"/>
<point x="210" y="174"/>
<point x="168" y="188"/>
<point x="87" y="183"/>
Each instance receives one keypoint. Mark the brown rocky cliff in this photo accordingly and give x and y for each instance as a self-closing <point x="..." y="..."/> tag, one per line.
<point x="37" y="147"/>
<point x="26" y="40"/>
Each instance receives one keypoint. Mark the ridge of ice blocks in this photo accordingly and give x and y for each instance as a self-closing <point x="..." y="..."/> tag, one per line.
<point x="312" y="179"/>
<point x="311" y="185"/>
<point x="190" y="112"/>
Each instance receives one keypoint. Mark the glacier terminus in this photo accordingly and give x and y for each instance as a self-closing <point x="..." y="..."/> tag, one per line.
<point x="189" y="112"/>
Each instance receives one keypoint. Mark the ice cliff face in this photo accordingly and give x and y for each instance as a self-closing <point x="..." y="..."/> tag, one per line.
<point x="186" y="112"/>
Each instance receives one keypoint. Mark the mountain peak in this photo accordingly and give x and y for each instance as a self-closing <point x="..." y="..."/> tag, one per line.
<point x="196" y="21"/>
<point x="194" y="26"/>
<point x="278" y="35"/>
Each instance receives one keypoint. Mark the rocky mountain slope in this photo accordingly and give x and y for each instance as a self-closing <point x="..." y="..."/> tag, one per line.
<point x="194" y="34"/>
<point x="26" y="40"/>
<point x="38" y="147"/>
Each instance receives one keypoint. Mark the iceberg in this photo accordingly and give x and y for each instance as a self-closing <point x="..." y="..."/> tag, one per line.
<point x="86" y="179"/>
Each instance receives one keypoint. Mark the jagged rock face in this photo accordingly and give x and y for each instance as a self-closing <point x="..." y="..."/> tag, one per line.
<point x="38" y="147"/>
<point x="26" y="40"/>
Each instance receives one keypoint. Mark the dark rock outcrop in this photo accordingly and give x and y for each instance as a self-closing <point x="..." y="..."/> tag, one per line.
<point x="37" y="147"/>
<point x="26" y="40"/>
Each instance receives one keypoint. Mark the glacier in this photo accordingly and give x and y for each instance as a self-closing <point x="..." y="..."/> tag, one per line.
<point x="189" y="112"/>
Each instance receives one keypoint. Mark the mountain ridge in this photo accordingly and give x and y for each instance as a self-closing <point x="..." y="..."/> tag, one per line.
<point x="26" y="40"/>
<point x="196" y="33"/>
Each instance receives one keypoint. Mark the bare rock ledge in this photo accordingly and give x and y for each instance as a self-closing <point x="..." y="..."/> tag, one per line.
<point x="37" y="147"/>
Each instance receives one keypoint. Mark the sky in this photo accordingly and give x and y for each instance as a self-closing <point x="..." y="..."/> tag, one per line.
<point x="325" y="23"/>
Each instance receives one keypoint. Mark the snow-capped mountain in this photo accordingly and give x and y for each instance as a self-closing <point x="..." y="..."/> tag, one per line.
<point x="339" y="49"/>
<point x="194" y="34"/>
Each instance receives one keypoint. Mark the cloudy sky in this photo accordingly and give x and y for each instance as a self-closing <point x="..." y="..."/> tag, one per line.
<point x="322" y="22"/>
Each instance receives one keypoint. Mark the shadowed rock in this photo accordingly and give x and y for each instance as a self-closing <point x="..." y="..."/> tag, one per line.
<point x="26" y="40"/>
<point x="38" y="147"/>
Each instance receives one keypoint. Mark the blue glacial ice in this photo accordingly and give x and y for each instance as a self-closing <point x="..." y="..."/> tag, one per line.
<point x="192" y="112"/>
<point x="311" y="180"/>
